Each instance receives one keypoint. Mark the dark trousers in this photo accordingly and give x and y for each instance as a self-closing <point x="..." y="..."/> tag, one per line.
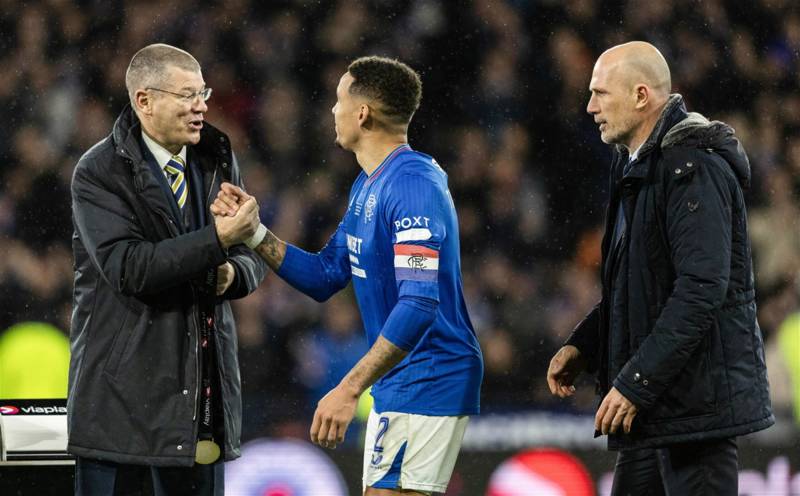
<point x="99" y="478"/>
<point x="689" y="469"/>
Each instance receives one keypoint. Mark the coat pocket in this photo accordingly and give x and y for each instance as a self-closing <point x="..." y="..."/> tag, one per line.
<point x="692" y="394"/>
<point x="743" y="349"/>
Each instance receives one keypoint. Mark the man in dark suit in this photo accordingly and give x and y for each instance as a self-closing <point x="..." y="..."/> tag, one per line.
<point x="154" y="375"/>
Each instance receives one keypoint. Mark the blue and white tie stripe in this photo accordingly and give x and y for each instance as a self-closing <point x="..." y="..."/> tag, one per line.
<point x="176" y="169"/>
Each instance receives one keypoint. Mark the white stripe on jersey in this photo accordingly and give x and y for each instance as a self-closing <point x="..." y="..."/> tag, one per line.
<point x="358" y="272"/>
<point x="418" y="263"/>
<point x="417" y="234"/>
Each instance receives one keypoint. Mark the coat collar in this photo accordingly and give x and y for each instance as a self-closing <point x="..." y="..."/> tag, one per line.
<point x="674" y="111"/>
<point x="128" y="143"/>
<point x="124" y="134"/>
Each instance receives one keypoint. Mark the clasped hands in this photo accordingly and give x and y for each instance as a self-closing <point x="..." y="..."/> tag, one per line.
<point x="615" y="410"/>
<point x="235" y="215"/>
<point x="236" y="220"/>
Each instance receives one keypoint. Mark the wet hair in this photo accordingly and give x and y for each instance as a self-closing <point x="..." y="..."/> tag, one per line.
<point x="148" y="67"/>
<point x="395" y="88"/>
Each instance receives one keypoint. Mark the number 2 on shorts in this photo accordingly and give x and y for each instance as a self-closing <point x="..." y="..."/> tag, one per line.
<point x="378" y="449"/>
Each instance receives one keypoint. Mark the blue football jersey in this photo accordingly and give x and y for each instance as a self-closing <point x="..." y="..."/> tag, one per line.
<point x="402" y="240"/>
<point x="399" y="239"/>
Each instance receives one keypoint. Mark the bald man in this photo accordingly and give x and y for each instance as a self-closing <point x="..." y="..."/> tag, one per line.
<point x="674" y="342"/>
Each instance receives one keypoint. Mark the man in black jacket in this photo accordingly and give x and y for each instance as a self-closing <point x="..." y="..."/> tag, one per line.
<point x="674" y="341"/>
<point x="154" y="375"/>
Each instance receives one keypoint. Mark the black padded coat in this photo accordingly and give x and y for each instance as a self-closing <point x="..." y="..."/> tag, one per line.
<point x="676" y="330"/>
<point x="139" y="287"/>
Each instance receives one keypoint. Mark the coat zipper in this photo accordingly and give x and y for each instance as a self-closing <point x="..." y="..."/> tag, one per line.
<point x="213" y="178"/>
<point x="197" y="327"/>
<point x="174" y="230"/>
<point x="196" y="361"/>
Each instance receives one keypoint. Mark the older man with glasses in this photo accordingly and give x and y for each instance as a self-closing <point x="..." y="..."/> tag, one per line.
<point x="154" y="375"/>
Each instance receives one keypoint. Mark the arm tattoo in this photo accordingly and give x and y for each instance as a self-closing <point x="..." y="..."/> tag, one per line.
<point x="379" y="360"/>
<point x="272" y="250"/>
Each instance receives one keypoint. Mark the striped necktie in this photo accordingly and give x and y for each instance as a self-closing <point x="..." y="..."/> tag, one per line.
<point x="176" y="169"/>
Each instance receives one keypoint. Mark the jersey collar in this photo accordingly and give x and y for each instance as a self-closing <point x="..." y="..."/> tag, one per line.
<point x="388" y="159"/>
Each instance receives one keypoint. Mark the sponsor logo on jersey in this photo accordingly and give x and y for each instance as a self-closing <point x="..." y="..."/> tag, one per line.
<point x="413" y="221"/>
<point x="354" y="244"/>
<point x="8" y="410"/>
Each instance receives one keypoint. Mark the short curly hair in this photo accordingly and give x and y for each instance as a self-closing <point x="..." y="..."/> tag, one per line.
<point x="395" y="86"/>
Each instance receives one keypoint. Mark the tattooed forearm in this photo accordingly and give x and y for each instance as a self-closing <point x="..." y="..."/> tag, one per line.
<point x="381" y="358"/>
<point x="272" y="250"/>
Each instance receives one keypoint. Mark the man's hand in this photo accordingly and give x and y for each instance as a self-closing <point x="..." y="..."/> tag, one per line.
<point x="334" y="413"/>
<point x="225" y="276"/>
<point x="614" y="410"/>
<point x="336" y="410"/>
<point x="229" y="199"/>
<point x="564" y="368"/>
<point x="242" y="225"/>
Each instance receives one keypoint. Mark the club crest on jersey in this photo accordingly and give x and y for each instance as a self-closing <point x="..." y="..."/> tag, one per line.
<point x="369" y="207"/>
<point x="416" y="263"/>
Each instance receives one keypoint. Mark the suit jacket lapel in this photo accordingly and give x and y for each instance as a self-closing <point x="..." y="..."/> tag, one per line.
<point x="157" y="191"/>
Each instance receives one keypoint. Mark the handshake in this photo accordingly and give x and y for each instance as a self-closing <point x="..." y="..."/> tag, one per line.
<point x="236" y="217"/>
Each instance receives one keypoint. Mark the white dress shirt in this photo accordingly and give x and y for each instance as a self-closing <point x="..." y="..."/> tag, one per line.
<point x="161" y="154"/>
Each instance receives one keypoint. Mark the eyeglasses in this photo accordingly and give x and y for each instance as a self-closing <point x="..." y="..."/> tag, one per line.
<point x="205" y="94"/>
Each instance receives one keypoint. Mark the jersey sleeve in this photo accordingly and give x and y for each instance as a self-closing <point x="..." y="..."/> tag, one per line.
<point x="318" y="275"/>
<point x="408" y="321"/>
<point x="416" y="212"/>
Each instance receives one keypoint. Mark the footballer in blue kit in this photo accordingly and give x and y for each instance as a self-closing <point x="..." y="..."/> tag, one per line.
<point x="398" y="243"/>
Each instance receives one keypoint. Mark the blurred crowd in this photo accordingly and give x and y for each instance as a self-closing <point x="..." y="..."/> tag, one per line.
<point x="503" y="111"/>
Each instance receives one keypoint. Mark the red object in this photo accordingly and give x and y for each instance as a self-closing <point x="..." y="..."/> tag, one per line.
<point x="278" y="490"/>
<point x="542" y="472"/>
